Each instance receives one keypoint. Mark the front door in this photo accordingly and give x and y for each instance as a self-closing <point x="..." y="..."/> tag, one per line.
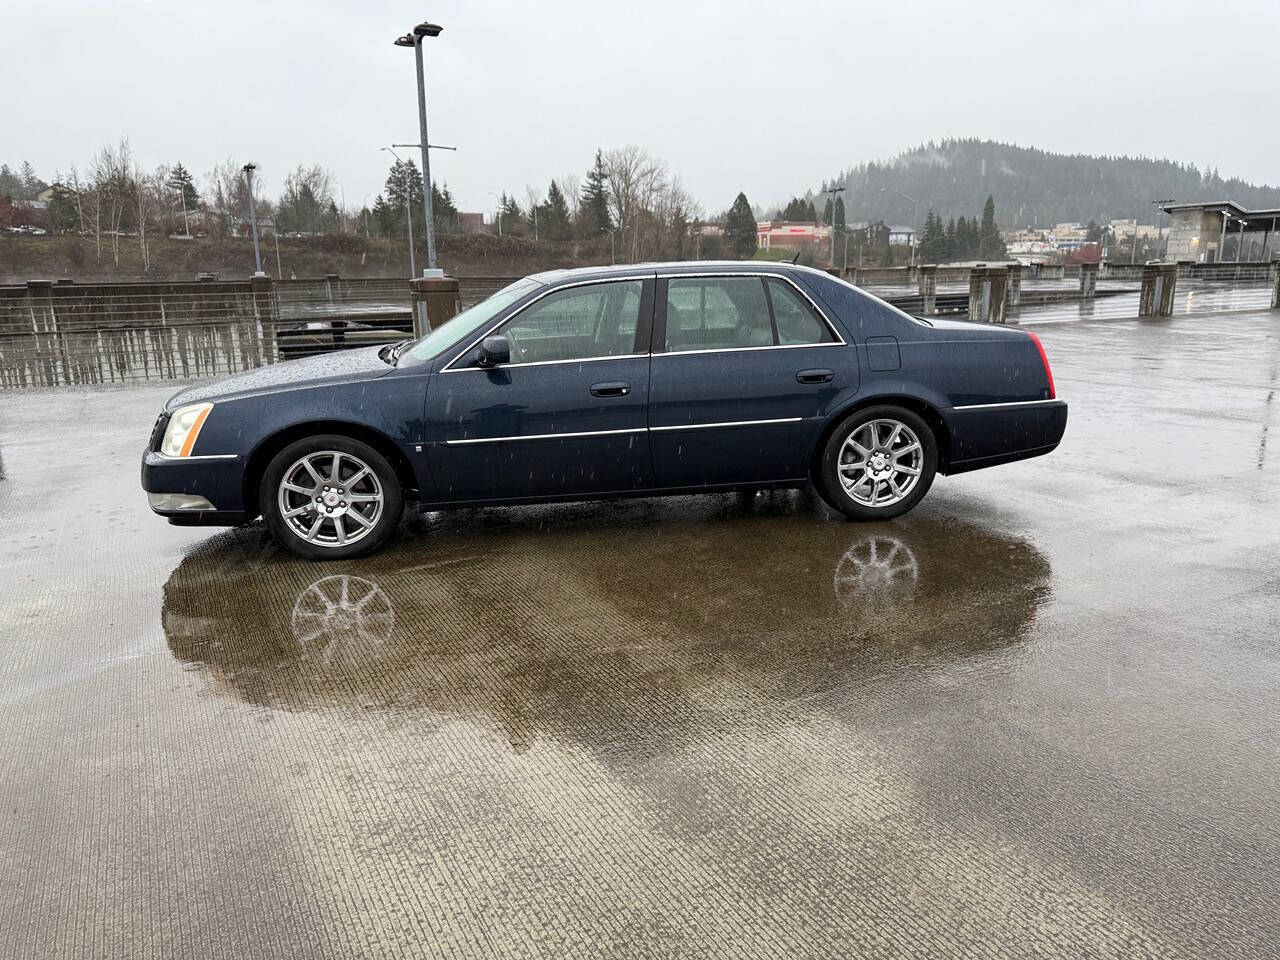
<point x="566" y="417"/>
<point x="742" y="367"/>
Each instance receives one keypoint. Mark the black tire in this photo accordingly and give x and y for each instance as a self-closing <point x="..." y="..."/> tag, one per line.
<point x="828" y="472"/>
<point x="332" y="541"/>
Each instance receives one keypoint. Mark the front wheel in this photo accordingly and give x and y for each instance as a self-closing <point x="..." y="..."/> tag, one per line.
<point x="878" y="463"/>
<point x="330" y="497"/>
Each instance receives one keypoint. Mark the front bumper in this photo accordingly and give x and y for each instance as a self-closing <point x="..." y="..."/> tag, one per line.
<point x="195" y="491"/>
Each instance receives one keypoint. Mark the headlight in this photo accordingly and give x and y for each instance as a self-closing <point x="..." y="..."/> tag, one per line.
<point x="184" y="427"/>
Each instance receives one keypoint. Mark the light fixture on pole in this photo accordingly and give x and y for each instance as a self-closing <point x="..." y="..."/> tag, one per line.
<point x="253" y="219"/>
<point x="408" y="207"/>
<point x="414" y="39"/>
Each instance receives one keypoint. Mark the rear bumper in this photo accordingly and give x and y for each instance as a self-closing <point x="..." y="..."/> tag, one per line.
<point x="195" y="491"/>
<point x="989" y="435"/>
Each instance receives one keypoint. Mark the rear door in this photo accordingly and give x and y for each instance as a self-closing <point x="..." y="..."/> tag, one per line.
<point x="566" y="417"/>
<point x="742" y="366"/>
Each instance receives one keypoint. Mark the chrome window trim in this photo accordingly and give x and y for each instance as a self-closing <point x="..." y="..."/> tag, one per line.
<point x="548" y="363"/>
<point x="449" y="368"/>
<point x="839" y="341"/>
<point x="724" y="423"/>
<point x="776" y="346"/>
<point x="544" y="436"/>
<point x="1006" y="403"/>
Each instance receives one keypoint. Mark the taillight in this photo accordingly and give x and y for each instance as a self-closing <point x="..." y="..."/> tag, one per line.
<point x="1048" y="374"/>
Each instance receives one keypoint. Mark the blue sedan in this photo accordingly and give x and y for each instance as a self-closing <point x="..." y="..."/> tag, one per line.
<point x="607" y="382"/>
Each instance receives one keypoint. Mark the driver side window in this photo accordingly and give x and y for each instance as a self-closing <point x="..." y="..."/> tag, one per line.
<point x="579" y="323"/>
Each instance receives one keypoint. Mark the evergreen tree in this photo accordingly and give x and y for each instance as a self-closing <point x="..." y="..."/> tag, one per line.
<point x="594" y="218"/>
<point x="444" y="212"/>
<point x="384" y="217"/>
<point x="839" y="213"/>
<point x="990" y="245"/>
<point x="827" y="211"/>
<point x="555" y="215"/>
<point x="949" y="243"/>
<point x="740" y="228"/>
<point x="61" y="211"/>
<point x="181" y="182"/>
<point x="404" y="188"/>
<point x="811" y="212"/>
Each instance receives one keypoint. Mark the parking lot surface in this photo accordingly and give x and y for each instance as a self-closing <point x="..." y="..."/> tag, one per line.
<point x="1036" y="716"/>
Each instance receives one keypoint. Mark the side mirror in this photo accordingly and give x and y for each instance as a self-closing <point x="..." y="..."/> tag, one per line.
<point x="495" y="350"/>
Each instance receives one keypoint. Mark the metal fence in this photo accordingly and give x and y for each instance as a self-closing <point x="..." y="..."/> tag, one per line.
<point x="65" y="333"/>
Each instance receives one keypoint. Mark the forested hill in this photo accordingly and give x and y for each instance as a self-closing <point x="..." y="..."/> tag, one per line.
<point x="1032" y="186"/>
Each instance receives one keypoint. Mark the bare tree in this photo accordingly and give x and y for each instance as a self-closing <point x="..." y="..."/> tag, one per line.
<point x="635" y="178"/>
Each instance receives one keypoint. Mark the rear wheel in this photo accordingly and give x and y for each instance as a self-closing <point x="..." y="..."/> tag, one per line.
<point x="330" y="497"/>
<point x="878" y="463"/>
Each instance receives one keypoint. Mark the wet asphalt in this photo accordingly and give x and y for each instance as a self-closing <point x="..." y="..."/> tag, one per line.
<point x="1036" y="716"/>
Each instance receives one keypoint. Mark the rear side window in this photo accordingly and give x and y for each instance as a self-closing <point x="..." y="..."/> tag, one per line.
<point x="797" y="323"/>
<point x="716" y="313"/>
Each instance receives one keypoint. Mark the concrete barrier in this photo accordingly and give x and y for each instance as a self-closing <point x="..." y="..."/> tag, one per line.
<point x="1159" y="281"/>
<point x="929" y="288"/>
<point x="1088" y="280"/>
<point x="436" y="301"/>
<point x="987" y="291"/>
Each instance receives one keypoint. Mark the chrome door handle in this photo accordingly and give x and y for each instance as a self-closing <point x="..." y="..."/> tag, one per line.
<point x="611" y="388"/>
<point x="815" y="376"/>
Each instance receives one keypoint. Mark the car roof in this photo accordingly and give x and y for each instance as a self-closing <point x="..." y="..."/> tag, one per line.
<point x="556" y="278"/>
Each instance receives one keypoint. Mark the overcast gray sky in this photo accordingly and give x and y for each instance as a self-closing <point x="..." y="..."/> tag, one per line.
<point x="766" y="97"/>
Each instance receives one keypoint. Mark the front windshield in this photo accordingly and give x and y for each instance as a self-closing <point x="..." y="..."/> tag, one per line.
<point x="468" y="321"/>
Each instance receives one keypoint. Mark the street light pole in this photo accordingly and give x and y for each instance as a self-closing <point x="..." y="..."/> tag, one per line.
<point x="499" y="199"/>
<point x="253" y="220"/>
<point x="408" y="208"/>
<point x="1160" y="225"/>
<point x="915" y="219"/>
<point x="420" y="32"/>
<point x="831" y="258"/>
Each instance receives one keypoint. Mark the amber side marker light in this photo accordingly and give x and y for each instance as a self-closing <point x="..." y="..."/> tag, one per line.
<point x="183" y="429"/>
<point x="1053" y="393"/>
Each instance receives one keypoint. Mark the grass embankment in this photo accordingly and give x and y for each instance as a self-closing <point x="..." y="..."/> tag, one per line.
<point x="25" y="257"/>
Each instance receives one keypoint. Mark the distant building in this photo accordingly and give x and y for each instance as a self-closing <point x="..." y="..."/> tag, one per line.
<point x="790" y="235"/>
<point x="1203" y="232"/>
<point x="902" y="235"/>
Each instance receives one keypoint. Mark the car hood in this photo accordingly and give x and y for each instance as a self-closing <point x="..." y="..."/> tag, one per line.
<point x="341" y="367"/>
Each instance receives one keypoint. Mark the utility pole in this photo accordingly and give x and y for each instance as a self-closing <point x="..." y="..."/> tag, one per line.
<point x="253" y="220"/>
<point x="414" y="39"/>
<point x="408" y="207"/>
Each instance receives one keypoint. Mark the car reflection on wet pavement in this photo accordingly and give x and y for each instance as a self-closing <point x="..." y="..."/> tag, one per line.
<point x="1036" y="716"/>
<point x="567" y="632"/>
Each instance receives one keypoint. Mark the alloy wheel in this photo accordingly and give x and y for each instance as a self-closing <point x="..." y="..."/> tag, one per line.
<point x="330" y="498"/>
<point x="880" y="462"/>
